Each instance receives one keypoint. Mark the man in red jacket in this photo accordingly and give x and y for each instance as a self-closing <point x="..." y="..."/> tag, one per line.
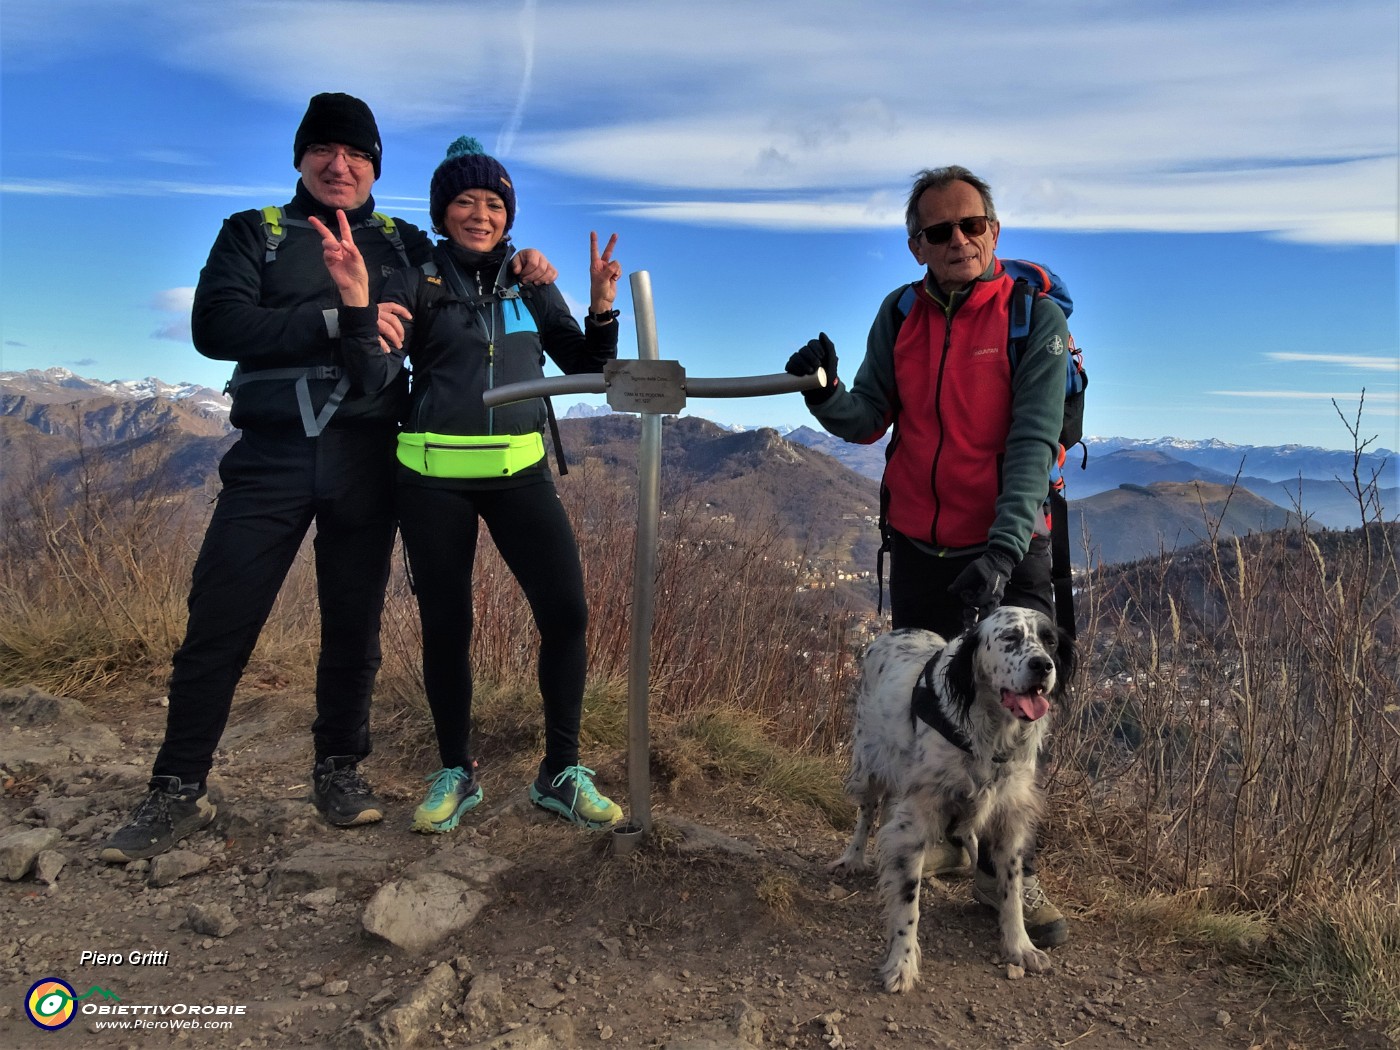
<point x="969" y="461"/>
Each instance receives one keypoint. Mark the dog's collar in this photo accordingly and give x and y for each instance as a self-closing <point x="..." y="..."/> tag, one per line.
<point x="925" y="707"/>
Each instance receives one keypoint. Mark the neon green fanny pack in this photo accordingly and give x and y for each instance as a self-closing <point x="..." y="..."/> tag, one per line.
<point x="477" y="456"/>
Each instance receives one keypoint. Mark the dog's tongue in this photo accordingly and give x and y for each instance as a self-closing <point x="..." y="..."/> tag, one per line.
<point x="1029" y="706"/>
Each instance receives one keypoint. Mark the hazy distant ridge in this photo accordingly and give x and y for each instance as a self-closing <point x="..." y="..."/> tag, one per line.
<point x="1136" y="497"/>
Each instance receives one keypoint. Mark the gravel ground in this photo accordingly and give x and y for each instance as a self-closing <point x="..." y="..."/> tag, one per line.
<point x="721" y="930"/>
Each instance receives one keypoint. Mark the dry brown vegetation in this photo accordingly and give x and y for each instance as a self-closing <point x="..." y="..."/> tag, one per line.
<point x="1231" y="768"/>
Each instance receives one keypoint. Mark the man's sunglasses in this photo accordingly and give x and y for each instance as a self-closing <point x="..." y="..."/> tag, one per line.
<point x="942" y="232"/>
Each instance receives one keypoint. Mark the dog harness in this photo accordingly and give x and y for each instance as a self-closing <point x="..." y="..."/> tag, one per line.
<point x="924" y="705"/>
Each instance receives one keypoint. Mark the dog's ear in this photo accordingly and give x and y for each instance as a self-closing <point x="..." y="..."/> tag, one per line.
<point x="1066" y="661"/>
<point x="957" y="673"/>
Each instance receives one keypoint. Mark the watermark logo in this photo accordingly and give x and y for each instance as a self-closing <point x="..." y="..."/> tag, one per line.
<point x="52" y="1003"/>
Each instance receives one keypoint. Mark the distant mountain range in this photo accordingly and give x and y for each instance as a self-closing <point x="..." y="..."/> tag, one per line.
<point x="58" y="385"/>
<point x="1135" y="499"/>
<point x="1287" y="476"/>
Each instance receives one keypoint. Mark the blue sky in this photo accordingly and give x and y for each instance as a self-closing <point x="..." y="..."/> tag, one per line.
<point x="1216" y="182"/>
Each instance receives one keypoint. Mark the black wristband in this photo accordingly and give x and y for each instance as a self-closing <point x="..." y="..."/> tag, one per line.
<point x="605" y="317"/>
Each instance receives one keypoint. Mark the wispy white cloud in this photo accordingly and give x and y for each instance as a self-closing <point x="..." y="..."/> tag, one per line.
<point x="177" y="301"/>
<point x="1377" y="399"/>
<point x="177" y="331"/>
<point x="1360" y="361"/>
<point x="1181" y="118"/>
<point x="505" y="142"/>
<point x="174" y="158"/>
<point x="173" y="300"/>
<point x="136" y="188"/>
<point x="789" y="214"/>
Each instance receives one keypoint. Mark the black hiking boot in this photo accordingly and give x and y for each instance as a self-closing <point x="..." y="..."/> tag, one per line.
<point x="166" y="815"/>
<point x="343" y="794"/>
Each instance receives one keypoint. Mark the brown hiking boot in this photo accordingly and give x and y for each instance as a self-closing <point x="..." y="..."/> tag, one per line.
<point x="1045" y="923"/>
<point x="947" y="861"/>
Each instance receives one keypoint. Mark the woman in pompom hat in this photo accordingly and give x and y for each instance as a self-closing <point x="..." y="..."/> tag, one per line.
<point x="472" y="328"/>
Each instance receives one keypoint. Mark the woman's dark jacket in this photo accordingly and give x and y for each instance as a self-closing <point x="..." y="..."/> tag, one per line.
<point x="467" y="335"/>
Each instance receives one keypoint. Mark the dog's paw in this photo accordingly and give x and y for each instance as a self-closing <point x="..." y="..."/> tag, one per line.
<point x="900" y="973"/>
<point x="848" y="863"/>
<point x="1031" y="959"/>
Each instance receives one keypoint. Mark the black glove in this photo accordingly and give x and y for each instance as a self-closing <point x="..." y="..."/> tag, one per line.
<point x="818" y="353"/>
<point x="981" y="585"/>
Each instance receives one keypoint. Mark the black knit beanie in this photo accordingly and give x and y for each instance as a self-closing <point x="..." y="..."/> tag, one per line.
<point x="336" y="117"/>
<point x="467" y="167"/>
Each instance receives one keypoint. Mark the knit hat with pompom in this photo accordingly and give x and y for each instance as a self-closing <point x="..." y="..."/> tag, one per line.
<point x="468" y="167"/>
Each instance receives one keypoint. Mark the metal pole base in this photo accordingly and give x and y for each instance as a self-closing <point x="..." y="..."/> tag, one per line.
<point x="626" y="838"/>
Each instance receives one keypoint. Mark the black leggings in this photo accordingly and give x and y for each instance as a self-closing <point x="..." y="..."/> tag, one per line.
<point x="532" y="532"/>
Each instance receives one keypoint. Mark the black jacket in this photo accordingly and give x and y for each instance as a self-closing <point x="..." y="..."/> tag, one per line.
<point x="283" y="314"/>
<point x="463" y="339"/>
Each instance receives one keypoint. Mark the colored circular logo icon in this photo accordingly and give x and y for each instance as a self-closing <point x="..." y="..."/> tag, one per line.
<point x="50" y="1003"/>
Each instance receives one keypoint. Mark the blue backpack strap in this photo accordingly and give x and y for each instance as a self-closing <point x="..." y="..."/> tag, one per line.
<point x="1022" y="305"/>
<point x="905" y="302"/>
<point x="1045" y="281"/>
<point x="1031" y="280"/>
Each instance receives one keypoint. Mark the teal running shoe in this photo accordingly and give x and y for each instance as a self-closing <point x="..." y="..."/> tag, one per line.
<point x="571" y="795"/>
<point x="451" y="793"/>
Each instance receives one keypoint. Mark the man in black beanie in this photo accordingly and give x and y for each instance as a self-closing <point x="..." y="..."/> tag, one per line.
<point x="312" y="449"/>
<point x="336" y="117"/>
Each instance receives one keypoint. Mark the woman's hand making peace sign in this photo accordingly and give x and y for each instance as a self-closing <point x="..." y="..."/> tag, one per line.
<point x="603" y="272"/>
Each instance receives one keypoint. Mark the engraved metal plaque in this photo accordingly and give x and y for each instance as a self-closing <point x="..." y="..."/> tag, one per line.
<point x="657" y="387"/>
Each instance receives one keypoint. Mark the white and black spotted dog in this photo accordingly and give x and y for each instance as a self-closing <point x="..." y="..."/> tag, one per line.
<point x="969" y="776"/>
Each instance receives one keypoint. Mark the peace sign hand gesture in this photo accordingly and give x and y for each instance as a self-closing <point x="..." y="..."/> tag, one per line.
<point x="603" y="272"/>
<point x="343" y="261"/>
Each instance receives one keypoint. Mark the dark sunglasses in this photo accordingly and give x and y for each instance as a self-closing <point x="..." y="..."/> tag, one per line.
<point x="942" y="232"/>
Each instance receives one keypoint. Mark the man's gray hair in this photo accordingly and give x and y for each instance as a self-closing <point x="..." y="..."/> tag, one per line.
<point x="940" y="178"/>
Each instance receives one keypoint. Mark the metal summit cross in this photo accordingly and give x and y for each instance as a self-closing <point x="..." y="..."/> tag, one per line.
<point x="653" y="388"/>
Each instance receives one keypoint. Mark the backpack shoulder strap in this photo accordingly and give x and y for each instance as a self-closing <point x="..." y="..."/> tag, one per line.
<point x="273" y="229"/>
<point x="1033" y="281"/>
<point x="905" y="302"/>
<point x="1022" y="304"/>
<point x="523" y="293"/>
<point x="275" y="222"/>
<point x="390" y="229"/>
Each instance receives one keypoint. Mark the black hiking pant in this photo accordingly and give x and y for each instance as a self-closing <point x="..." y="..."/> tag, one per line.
<point x="530" y="529"/>
<point x="276" y="484"/>
<point x="919" y="597"/>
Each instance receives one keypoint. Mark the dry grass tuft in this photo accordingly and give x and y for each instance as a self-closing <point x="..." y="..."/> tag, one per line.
<point x="1346" y="948"/>
<point x="1188" y="917"/>
<point x="778" y="893"/>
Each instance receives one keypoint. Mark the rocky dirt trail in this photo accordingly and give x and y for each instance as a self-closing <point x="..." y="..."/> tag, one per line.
<point x="722" y="932"/>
